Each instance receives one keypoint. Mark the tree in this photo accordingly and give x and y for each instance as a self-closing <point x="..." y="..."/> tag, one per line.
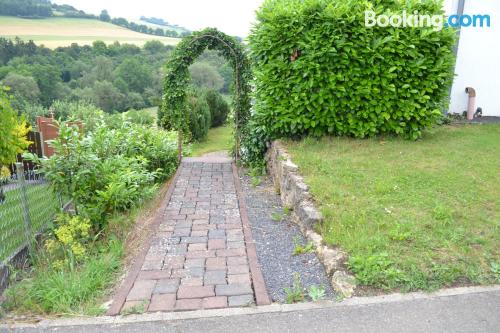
<point x="24" y="88"/>
<point x="219" y="109"/>
<point x="135" y="73"/>
<point x="104" y="16"/>
<point x="206" y="76"/>
<point x="13" y="138"/>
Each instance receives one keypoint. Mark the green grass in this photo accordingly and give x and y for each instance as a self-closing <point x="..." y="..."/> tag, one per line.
<point x="83" y="289"/>
<point x="218" y="139"/>
<point x="57" y="31"/>
<point x="411" y="215"/>
<point x="66" y="291"/>
<point x="42" y="204"/>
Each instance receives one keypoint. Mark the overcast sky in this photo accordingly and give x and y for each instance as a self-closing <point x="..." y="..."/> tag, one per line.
<point x="233" y="17"/>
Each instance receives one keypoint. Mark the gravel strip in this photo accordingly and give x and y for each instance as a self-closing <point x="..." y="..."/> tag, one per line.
<point x="275" y="242"/>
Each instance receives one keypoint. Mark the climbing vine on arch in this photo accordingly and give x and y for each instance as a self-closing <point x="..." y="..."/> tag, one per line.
<point x="173" y="114"/>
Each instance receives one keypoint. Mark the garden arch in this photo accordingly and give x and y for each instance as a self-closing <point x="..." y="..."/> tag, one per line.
<point x="172" y="114"/>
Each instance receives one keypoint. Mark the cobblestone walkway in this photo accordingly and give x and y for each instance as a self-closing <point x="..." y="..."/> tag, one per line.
<point x="198" y="257"/>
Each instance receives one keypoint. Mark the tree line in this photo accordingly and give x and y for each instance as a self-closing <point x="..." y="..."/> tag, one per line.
<point x="115" y="78"/>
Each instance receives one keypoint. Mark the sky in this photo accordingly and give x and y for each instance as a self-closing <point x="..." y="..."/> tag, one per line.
<point x="233" y="17"/>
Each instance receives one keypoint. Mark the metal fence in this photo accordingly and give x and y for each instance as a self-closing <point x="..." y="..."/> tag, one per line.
<point x="27" y="206"/>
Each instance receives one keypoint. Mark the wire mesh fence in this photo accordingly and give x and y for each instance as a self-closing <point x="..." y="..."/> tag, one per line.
<point x="27" y="206"/>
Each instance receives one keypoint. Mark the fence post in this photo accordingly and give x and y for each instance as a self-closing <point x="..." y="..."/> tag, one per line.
<point x="28" y="234"/>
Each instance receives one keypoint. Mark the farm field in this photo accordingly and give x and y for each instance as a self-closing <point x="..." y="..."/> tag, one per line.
<point x="56" y="32"/>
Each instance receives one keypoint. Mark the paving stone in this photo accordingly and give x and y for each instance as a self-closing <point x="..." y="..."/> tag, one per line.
<point x="191" y="281"/>
<point x="214" y="244"/>
<point x="150" y="265"/>
<point x="239" y="279"/>
<point x="199" y="262"/>
<point x="154" y="275"/>
<point x="231" y="252"/>
<point x="194" y="240"/>
<point x="141" y="290"/>
<point x="196" y="272"/>
<point x="188" y="304"/>
<point x="233" y="289"/>
<point x="198" y="233"/>
<point x="182" y="232"/>
<point x="173" y="262"/>
<point x="217" y="302"/>
<point x="135" y="307"/>
<point x="214" y="277"/>
<point x="237" y="269"/>
<point x="195" y="291"/>
<point x="240" y="300"/>
<point x="214" y="264"/>
<point x="201" y="254"/>
<point x="197" y="247"/>
<point x="237" y="261"/>
<point x="166" y="286"/>
<point x="162" y="302"/>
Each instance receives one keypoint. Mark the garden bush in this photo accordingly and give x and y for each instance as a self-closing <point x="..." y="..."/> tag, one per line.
<point x="320" y="71"/>
<point x="110" y="169"/>
<point x="219" y="109"/>
<point x="199" y="116"/>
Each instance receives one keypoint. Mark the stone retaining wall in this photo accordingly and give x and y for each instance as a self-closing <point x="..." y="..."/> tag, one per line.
<point x="295" y="195"/>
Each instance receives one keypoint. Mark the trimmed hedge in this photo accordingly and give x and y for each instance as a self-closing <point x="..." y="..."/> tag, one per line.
<point x="219" y="109"/>
<point x="320" y="71"/>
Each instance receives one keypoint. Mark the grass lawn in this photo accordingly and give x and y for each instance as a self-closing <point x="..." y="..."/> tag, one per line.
<point x="43" y="204"/>
<point x="58" y="31"/>
<point x="218" y="139"/>
<point x="411" y="215"/>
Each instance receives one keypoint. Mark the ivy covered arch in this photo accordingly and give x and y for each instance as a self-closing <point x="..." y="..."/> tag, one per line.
<point x="173" y="113"/>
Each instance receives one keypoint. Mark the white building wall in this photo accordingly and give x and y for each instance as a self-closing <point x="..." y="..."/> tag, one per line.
<point x="478" y="59"/>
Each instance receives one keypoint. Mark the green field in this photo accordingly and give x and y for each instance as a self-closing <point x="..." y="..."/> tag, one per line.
<point x="57" y="31"/>
<point x="411" y="214"/>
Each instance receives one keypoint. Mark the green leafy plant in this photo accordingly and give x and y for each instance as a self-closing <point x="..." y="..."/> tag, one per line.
<point x="338" y="77"/>
<point x="301" y="249"/>
<point x="376" y="270"/>
<point x="277" y="216"/>
<point x="316" y="293"/>
<point x="495" y="269"/>
<point x="296" y="292"/>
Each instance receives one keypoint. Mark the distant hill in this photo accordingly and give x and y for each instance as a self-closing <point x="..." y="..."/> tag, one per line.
<point x="62" y="31"/>
<point x="155" y="22"/>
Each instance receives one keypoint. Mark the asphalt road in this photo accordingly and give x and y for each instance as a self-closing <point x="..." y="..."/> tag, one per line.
<point x="467" y="312"/>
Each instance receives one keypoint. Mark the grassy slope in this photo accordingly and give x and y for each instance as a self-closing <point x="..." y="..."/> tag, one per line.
<point x="55" y="32"/>
<point x="218" y="139"/>
<point x="412" y="215"/>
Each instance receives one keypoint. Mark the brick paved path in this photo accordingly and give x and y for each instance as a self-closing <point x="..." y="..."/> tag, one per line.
<point x="198" y="257"/>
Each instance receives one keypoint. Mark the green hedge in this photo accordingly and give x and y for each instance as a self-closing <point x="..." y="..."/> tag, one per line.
<point x="319" y="70"/>
<point x="219" y="109"/>
<point x="199" y="116"/>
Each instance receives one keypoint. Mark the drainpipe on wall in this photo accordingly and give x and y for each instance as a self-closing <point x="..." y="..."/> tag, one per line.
<point x="471" y="105"/>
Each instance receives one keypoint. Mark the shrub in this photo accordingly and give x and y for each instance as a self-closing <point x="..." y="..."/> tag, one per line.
<point x="199" y="117"/>
<point x="140" y="117"/>
<point x="320" y="71"/>
<point x="219" y="109"/>
<point x="109" y="170"/>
